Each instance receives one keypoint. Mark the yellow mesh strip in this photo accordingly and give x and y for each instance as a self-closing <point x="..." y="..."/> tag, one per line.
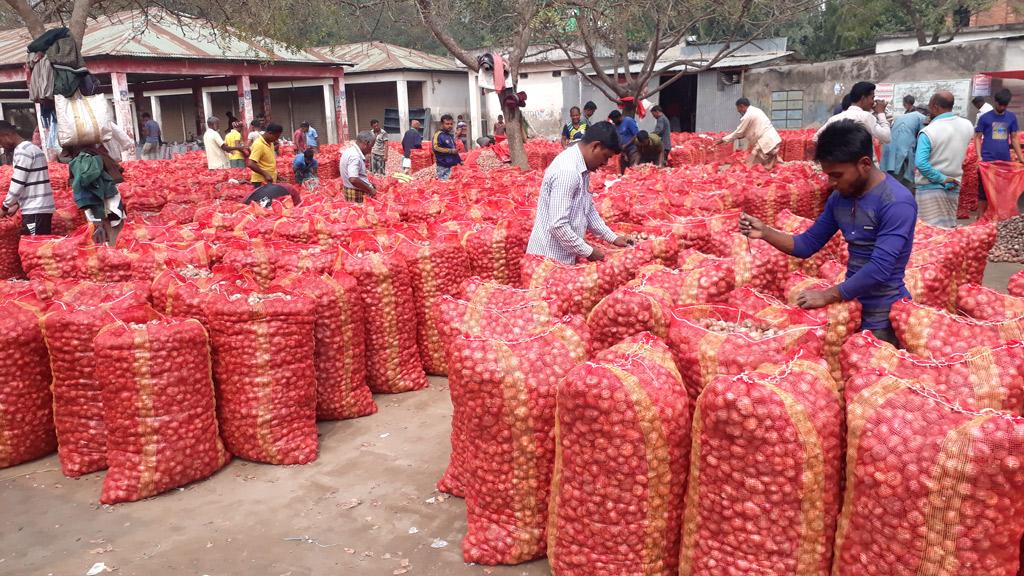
<point x="142" y="352"/>
<point x="691" y="513"/>
<point x="950" y="481"/>
<point x="345" y="316"/>
<point x="498" y="252"/>
<point x="659" y="473"/>
<point x="385" y="284"/>
<point x="742" y="262"/>
<point x="591" y="286"/>
<point x="540" y="273"/>
<point x="812" y="488"/>
<point x="428" y="279"/>
<point x="525" y="503"/>
<point x="555" y="498"/>
<point x="707" y="355"/>
<point x="985" y="379"/>
<point x="858" y="411"/>
<point x="264" y="384"/>
<point x="1012" y="330"/>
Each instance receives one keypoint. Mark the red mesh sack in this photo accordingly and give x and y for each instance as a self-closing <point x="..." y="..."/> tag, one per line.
<point x="340" y="354"/>
<point x="496" y="250"/>
<point x="932" y="332"/>
<point x="10" y="237"/>
<point x="26" y="403"/>
<point x="621" y="459"/>
<point x="834" y="249"/>
<point x="52" y="256"/>
<point x="393" y="363"/>
<point x="759" y="265"/>
<point x="577" y="289"/>
<point x="158" y="405"/>
<point x="263" y="364"/>
<point x="646" y="303"/>
<point x="764" y="484"/>
<point x="711" y="340"/>
<point x="151" y="258"/>
<point x="255" y="257"/>
<point x="77" y="394"/>
<point x="976" y="241"/>
<point x="932" y="272"/>
<point x="931" y="488"/>
<point x="102" y="263"/>
<point x="185" y="292"/>
<point x="1016" y="285"/>
<point x="1003" y="182"/>
<point x="85" y="293"/>
<point x="982" y="303"/>
<point x="981" y="377"/>
<point x="509" y="406"/>
<point x="491" y="311"/>
<point x="436" y="269"/>
<point x="841" y="319"/>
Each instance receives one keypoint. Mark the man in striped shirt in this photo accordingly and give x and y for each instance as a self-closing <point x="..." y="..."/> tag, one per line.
<point x="565" y="209"/>
<point x="30" y="188"/>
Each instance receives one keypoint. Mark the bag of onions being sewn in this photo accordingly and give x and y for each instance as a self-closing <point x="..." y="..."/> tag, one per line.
<point x="764" y="486"/>
<point x="841" y="318"/>
<point x="496" y="250"/>
<point x="621" y="460"/>
<point x="980" y="377"/>
<point x="577" y="289"/>
<point x="158" y="407"/>
<point x="509" y="406"/>
<point x="931" y="487"/>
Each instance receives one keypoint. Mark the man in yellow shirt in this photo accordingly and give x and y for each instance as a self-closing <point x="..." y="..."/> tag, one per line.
<point x="233" y="139"/>
<point x="262" y="158"/>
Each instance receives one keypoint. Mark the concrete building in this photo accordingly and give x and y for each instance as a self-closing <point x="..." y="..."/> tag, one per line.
<point x="387" y="76"/>
<point x="803" y="95"/>
<point x="174" y="68"/>
<point x="701" y="100"/>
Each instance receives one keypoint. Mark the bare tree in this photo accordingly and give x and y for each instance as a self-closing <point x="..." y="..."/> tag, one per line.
<point x="620" y="47"/>
<point x="515" y="16"/>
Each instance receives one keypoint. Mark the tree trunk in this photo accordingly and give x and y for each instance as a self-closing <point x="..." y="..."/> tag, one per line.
<point x="514" y="133"/>
<point x="32" y="21"/>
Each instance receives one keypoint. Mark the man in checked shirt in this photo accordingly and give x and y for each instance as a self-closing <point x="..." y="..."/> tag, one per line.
<point x="565" y="209"/>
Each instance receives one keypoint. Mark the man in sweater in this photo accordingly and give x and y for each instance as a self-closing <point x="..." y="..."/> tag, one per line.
<point x="411" y="140"/>
<point x="941" y="148"/>
<point x="30" y="189"/>
<point x="446" y="152"/>
<point x="876" y="215"/>
<point x="755" y="127"/>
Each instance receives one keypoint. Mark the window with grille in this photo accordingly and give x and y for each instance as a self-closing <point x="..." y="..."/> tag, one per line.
<point x="788" y="109"/>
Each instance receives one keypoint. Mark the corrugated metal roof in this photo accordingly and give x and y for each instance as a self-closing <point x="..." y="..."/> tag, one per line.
<point x="727" y="62"/>
<point x="155" y="33"/>
<point x="383" y="57"/>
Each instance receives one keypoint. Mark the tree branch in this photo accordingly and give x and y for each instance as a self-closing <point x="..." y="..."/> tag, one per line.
<point x="438" y="29"/>
<point x="28" y="16"/>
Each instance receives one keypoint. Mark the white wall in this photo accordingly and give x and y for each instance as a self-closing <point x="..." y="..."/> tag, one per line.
<point x="544" y="106"/>
<point x="446" y="93"/>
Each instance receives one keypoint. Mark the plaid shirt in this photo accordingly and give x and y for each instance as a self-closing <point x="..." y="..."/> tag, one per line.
<point x="565" y="211"/>
<point x="30" y="182"/>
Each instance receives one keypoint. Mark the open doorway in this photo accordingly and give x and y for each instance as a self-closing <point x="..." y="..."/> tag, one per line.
<point x="679" y="102"/>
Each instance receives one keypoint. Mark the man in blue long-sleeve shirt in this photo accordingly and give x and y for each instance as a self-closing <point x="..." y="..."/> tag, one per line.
<point x="876" y="215"/>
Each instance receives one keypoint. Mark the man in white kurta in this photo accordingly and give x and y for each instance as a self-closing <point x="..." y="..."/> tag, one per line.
<point x="757" y="130"/>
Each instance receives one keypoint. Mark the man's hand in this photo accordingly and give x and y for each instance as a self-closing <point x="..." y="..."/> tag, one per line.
<point x="4" y="212"/>
<point x="751" y="227"/>
<point x="880" y="106"/>
<point x="719" y="141"/>
<point x="810" y="299"/>
<point x="623" y="241"/>
<point x="597" y="255"/>
<point x="951" y="183"/>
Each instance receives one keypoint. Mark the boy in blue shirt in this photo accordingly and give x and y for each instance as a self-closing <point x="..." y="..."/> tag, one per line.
<point x="305" y="166"/>
<point x="876" y="215"/>
<point x="628" y="131"/>
<point x="996" y="131"/>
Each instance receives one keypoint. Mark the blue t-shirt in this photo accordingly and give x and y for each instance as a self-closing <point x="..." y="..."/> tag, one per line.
<point x="627" y="132"/>
<point x="311" y="138"/>
<point x="152" y="132"/>
<point x="879" y="229"/>
<point x="572" y="133"/>
<point x="997" y="130"/>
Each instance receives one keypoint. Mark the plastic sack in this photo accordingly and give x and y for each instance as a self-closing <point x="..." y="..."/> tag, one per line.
<point x="710" y="341"/>
<point x="509" y="401"/>
<point x="436" y="269"/>
<point x="491" y="311"/>
<point x="577" y="289"/>
<point x="931" y="488"/>
<point x="981" y="377"/>
<point x="393" y="362"/>
<point x="158" y="405"/>
<point x="10" y="237"/>
<point x="841" y="318"/>
<point x="340" y="354"/>
<point x="983" y="303"/>
<point x="1016" y="285"/>
<point x="928" y="331"/>
<point x="621" y="460"/>
<point x="26" y="403"/>
<point x="265" y="373"/>
<point x="1004" y="183"/>
<point x="764" y="484"/>
<point x="496" y="250"/>
<point x="81" y="121"/>
<point x="78" y="414"/>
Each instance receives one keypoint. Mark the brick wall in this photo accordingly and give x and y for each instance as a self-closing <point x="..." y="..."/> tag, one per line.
<point x="1002" y="12"/>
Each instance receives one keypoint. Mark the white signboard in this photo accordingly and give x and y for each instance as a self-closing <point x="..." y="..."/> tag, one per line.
<point x="922" y="91"/>
<point x="982" y="85"/>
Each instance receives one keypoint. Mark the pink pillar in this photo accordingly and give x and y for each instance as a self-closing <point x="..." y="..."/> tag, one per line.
<point x="340" y="109"/>
<point x="244" y="104"/>
<point x="265" y="98"/>
<point x="123" y="110"/>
